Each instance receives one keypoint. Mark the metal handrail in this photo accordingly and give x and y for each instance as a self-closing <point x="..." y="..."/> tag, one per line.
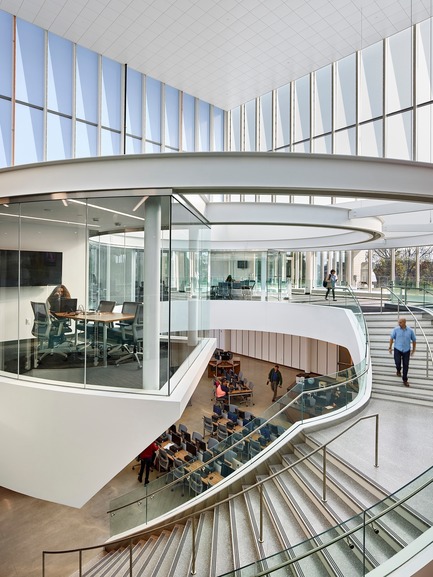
<point x="129" y="540"/>
<point x="346" y="533"/>
<point x="418" y="324"/>
<point x="235" y="444"/>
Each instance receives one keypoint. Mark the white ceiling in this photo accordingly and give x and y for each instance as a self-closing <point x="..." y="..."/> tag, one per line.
<point x="225" y="52"/>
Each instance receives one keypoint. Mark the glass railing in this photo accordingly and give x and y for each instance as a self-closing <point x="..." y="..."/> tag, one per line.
<point x="355" y="545"/>
<point x="361" y="543"/>
<point x="314" y="397"/>
<point x="422" y="297"/>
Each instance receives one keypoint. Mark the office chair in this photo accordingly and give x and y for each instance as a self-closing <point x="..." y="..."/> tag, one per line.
<point x="163" y="462"/>
<point x="114" y="334"/>
<point x="182" y="428"/>
<point x="132" y="338"/>
<point x="208" y="426"/>
<point x="212" y="443"/>
<point x="222" y="432"/>
<point x="254" y="448"/>
<point x="195" y="483"/>
<point x="50" y="332"/>
<point x="178" y="472"/>
<point x="196" y="436"/>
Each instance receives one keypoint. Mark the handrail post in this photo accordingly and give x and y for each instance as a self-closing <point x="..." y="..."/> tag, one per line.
<point x="261" y="514"/>
<point x="80" y="562"/>
<point x="43" y="563"/>
<point x="130" y="558"/>
<point x="193" y="569"/>
<point x="376" y="450"/>
<point x="324" y="475"/>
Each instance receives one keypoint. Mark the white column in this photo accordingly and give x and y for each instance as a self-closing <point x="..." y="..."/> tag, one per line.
<point x="417" y="267"/>
<point x="152" y="281"/>
<point x="193" y="301"/>
<point x="370" y="270"/>
<point x="309" y="272"/>
<point x="348" y="259"/>
<point x="393" y="266"/>
<point x="264" y="275"/>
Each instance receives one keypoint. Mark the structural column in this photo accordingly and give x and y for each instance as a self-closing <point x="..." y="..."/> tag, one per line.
<point x="151" y="292"/>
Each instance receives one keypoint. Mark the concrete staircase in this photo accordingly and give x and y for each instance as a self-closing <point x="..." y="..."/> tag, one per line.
<point x="228" y="537"/>
<point x="386" y="385"/>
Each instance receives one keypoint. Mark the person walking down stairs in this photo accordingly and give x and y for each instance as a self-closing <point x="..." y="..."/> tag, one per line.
<point x="402" y="337"/>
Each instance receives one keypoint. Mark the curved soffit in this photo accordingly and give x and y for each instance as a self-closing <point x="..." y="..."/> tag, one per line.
<point x="248" y="173"/>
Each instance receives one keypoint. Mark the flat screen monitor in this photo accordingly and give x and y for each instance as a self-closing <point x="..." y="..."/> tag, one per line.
<point x="172" y="429"/>
<point x="30" y="268"/>
<point x="186" y="436"/>
<point x="68" y="305"/>
<point x="202" y="446"/>
<point x="176" y="439"/>
<point x="207" y="456"/>
<point x="226" y="408"/>
<point x="225" y="470"/>
<point x="191" y="449"/>
<point x="241" y="414"/>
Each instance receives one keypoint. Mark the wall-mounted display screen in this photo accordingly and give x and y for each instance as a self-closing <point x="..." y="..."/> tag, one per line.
<point x="30" y="268"/>
<point x="242" y="264"/>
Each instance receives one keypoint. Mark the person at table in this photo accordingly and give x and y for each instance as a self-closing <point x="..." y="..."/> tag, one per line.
<point x="59" y="292"/>
<point x="221" y="390"/>
<point x="230" y="278"/>
<point x="147" y="458"/>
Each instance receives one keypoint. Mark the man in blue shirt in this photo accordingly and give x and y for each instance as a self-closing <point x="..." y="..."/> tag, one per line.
<point x="402" y="336"/>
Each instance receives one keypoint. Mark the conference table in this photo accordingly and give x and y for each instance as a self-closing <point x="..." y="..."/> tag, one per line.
<point x="104" y="319"/>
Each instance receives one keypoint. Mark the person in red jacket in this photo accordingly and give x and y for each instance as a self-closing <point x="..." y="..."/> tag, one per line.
<point x="147" y="458"/>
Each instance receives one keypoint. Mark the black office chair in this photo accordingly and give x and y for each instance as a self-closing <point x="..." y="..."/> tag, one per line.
<point x="132" y="338"/>
<point x="50" y="332"/>
<point x="114" y="333"/>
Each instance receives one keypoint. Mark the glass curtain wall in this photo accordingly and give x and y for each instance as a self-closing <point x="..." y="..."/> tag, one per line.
<point x="68" y="102"/>
<point x="94" y="290"/>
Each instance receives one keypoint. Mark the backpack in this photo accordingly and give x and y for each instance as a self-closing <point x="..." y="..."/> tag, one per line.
<point x="325" y="283"/>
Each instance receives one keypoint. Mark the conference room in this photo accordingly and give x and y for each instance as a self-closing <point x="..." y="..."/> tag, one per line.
<point x="126" y="262"/>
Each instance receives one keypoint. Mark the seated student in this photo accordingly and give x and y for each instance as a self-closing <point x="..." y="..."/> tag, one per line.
<point x="221" y="390"/>
<point x="60" y="291"/>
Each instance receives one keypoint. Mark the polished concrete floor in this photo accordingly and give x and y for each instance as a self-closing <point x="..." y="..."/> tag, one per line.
<point x="28" y="526"/>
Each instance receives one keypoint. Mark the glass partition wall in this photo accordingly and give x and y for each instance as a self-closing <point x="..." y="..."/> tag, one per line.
<point x="108" y="292"/>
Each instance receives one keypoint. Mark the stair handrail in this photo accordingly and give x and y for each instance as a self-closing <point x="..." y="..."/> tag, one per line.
<point x="130" y="540"/>
<point x="417" y="323"/>
<point x="235" y="444"/>
<point x="345" y="535"/>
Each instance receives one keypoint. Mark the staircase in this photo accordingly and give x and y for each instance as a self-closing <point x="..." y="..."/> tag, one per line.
<point x="228" y="537"/>
<point x="386" y="385"/>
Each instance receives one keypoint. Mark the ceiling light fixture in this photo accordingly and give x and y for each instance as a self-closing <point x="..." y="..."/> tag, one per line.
<point x="106" y="209"/>
<point x="139" y="203"/>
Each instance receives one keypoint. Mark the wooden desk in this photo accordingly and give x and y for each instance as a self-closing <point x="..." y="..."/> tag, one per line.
<point x="191" y="467"/>
<point x="245" y="393"/>
<point x="212" y="479"/>
<point x="217" y="368"/>
<point x="98" y="318"/>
